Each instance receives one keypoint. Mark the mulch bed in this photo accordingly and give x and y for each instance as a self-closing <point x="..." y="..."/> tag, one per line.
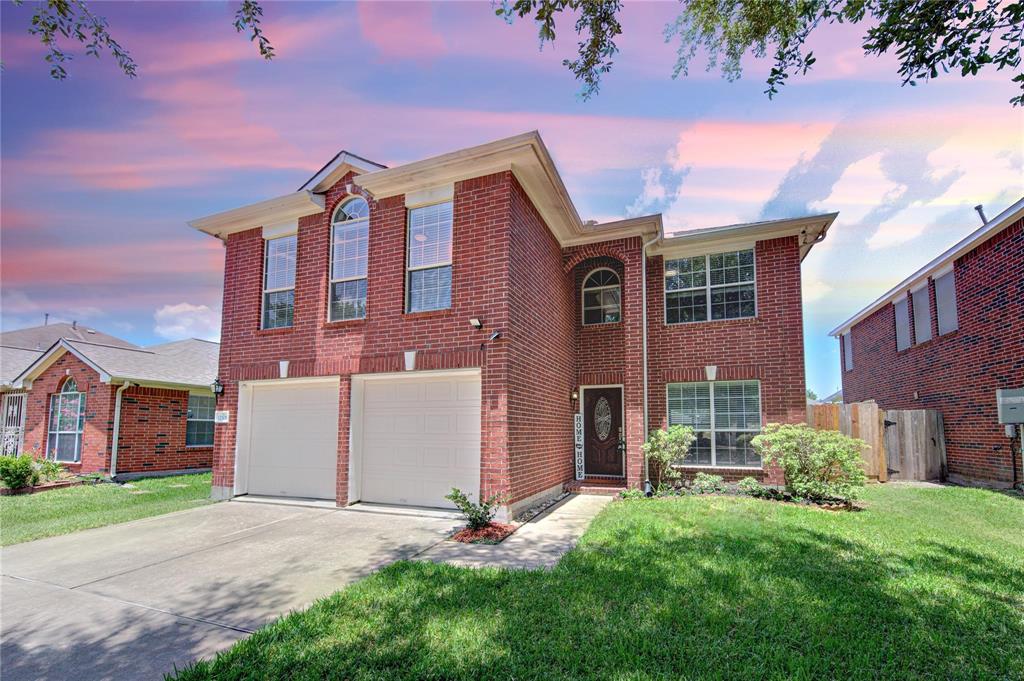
<point x="493" y="533"/>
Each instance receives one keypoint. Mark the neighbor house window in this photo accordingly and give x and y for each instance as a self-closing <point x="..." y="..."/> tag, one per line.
<point x="199" y="427"/>
<point x="67" y="420"/>
<point x="725" y="416"/>
<point x="349" y="241"/>
<point x="279" y="282"/>
<point x="902" y="324"/>
<point x="847" y="342"/>
<point x="945" y="303"/>
<point x="429" y="266"/>
<point x="602" y="297"/>
<point x="922" y="315"/>
<point x="716" y="286"/>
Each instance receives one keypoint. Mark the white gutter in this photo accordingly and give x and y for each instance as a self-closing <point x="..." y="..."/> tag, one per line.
<point x="643" y="298"/>
<point x="117" y="427"/>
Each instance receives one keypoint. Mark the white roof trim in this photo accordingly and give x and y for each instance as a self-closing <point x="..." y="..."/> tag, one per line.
<point x="46" y="360"/>
<point x="811" y="229"/>
<point x="336" y="168"/>
<point x="942" y="264"/>
<point x="270" y="212"/>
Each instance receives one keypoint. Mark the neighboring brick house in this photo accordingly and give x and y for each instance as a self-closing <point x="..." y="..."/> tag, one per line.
<point x="99" y="404"/>
<point x="946" y="338"/>
<point x="391" y="333"/>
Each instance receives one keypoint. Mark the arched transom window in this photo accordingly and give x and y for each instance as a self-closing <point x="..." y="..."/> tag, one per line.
<point x="67" y="420"/>
<point x="602" y="297"/>
<point x="350" y="230"/>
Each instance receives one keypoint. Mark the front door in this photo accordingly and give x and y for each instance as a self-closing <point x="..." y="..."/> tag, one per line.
<point x="603" y="439"/>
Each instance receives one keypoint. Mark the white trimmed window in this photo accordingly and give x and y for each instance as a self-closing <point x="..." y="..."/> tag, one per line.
<point x="429" y="263"/>
<point x="199" y="426"/>
<point x="725" y="416"/>
<point x="922" y="315"/>
<point x="715" y="286"/>
<point x="602" y="297"/>
<point x="350" y="230"/>
<point x="847" y="341"/>
<point x="67" y="420"/>
<point x="945" y="303"/>
<point x="902" y="311"/>
<point x="279" y="282"/>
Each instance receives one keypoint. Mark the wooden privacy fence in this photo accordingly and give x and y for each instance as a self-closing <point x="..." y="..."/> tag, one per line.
<point x="902" y="444"/>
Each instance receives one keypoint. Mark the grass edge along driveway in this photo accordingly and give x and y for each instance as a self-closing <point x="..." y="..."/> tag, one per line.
<point x="48" y="514"/>
<point x="922" y="583"/>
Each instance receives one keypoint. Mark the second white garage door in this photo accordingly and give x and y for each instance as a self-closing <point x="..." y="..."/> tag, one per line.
<point x="420" y="437"/>
<point x="293" y="440"/>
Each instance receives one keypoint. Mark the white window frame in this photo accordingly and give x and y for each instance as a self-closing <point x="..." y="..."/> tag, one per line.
<point x="331" y="281"/>
<point x="433" y="266"/>
<point x="266" y="291"/>
<point x="55" y="404"/>
<point x="708" y="286"/>
<point x="712" y="430"/>
<point x="584" y="289"/>
<point x="188" y="418"/>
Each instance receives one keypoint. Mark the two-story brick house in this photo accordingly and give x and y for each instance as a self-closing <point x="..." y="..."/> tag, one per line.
<point x="946" y="338"/>
<point x="391" y="333"/>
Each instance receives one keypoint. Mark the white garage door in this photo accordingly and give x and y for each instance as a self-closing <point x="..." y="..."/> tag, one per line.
<point x="293" y="443"/>
<point x="420" y="438"/>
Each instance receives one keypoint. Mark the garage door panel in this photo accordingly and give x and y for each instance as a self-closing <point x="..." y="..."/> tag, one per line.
<point x="293" y="440"/>
<point x="421" y="437"/>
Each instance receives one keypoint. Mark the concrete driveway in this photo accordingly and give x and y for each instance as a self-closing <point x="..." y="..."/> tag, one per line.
<point x="131" y="601"/>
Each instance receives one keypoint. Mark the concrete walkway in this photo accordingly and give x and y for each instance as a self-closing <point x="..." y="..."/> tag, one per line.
<point x="539" y="543"/>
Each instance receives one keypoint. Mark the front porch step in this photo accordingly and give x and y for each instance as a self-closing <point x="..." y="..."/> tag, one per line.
<point x="600" y="486"/>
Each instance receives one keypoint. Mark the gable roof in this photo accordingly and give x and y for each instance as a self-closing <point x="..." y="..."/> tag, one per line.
<point x="336" y="168"/>
<point x="13" y="361"/>
<point x="940" y="265"/>
<point x="40" y="338"/>
<point x="183" y="364"/>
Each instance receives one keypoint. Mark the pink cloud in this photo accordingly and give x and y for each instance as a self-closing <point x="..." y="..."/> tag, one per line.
<point x="401" y="30"/>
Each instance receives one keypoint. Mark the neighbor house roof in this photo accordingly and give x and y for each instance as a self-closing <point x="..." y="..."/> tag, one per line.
<point x="940" y="265"/>
<point x="21" y="347"/>
<point x="188" y="363"/>
<point x="528" y="159"/>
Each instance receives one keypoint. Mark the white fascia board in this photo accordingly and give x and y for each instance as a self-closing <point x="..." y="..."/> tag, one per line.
<point x="33" y="371"/>
<point x="943" y="263"/>
<point x="336" y="168"/>
<point x="270" y="212"/>
<point x="699" y="241"/>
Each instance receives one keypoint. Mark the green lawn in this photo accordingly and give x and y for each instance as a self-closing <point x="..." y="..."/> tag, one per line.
<point x="924" y="583"/>
<point x="33" y="516"/>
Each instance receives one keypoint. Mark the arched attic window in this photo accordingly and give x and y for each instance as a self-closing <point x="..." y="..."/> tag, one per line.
<point x="602" y="297"/>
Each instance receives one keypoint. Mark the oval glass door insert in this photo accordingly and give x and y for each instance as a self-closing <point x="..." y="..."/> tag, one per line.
<point x="602" y="418"/>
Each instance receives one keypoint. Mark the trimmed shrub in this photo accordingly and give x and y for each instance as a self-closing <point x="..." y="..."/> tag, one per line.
<point x="478" y="516"/>
<point x="751" y="487"/>
<point x="820" y="465"/>
<point x="705" y="483"/>
<point x="18" y="471"/>
<point x="665" y="448"/>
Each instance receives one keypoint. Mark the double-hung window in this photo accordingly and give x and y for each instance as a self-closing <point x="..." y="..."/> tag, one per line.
<point x="67" y="420"/>
<point x="715" y="286"/>
<point x="429" y="263"/>
<point x="349" y="245"/>
<point x="199" y="425"/>
<point x="279" y="282"/>
<point x="725" y="416"/>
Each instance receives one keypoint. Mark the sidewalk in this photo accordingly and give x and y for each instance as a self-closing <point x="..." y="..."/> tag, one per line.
<point x="539" y="543"/>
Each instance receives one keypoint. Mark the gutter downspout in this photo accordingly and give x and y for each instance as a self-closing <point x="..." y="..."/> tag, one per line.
<point x="117" y="427"/>
<point x="643" y="297"/>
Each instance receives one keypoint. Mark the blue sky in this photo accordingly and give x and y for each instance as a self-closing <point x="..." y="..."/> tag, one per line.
<point x="100" y="173"/>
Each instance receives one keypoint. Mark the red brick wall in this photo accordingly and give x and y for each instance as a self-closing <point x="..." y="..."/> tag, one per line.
<point x="314" y="347"/>
<point x="152" y="435"/>
<point x="99" y="412"/>
<point x="768" y="347"/>
<point x="957" y="373"/>
<point x="542" y="355"/>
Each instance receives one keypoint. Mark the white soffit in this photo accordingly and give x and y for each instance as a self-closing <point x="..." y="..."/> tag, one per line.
<point x="275" y="211"/>
<point x="810" y="229"/>
<point x="943" y="264"/>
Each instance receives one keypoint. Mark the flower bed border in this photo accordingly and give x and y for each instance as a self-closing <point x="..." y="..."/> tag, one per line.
<point x="44" y="487"/>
